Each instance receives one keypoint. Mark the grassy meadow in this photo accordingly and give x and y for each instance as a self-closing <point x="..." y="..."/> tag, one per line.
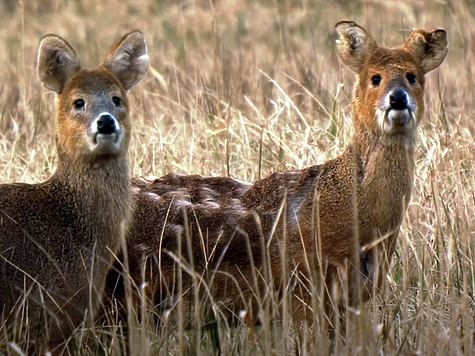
<point x="244" y="88"/>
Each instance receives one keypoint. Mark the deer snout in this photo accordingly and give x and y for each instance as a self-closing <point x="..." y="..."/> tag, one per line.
<point x="398" y="99"/>
<point x="105" y="134"/>
<point x="106" y="124"/>
<point x="397" y="110"/>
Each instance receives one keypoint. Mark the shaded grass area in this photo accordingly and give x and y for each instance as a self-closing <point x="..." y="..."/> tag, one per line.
<point x="246" y="88"/>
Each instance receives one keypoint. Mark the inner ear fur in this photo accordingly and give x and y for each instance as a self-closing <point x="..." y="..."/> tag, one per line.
<point x="128" y="59"/>
<point x="355" y="45"/>
<point x="428" y="49"/>
<point x="57" y="62"/>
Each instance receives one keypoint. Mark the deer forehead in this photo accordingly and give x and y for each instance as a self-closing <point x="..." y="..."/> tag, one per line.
<point x="391" y="62"/>
<point x="92" y="82"/>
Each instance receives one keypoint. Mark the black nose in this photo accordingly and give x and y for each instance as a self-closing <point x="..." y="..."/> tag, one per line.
<point x="398" y="99"/>
<point x="106" y="124"/>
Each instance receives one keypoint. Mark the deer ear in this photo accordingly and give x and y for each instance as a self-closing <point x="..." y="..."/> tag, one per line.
<point x="57" y="62"/>
<point x="355" y="45"/>
<point x="128" y="59"/>
<point x="427" y="48"/>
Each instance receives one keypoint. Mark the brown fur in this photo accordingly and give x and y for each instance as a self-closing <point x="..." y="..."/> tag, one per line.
<point x="58" y="237"/>
<point x="336" y="222"/>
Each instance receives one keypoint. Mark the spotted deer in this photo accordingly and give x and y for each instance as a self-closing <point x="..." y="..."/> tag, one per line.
<point x="231" y="242"/>
<point x="58" y="237"/>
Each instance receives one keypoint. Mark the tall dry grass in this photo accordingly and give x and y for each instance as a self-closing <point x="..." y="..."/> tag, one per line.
<point x="246" y="88"/>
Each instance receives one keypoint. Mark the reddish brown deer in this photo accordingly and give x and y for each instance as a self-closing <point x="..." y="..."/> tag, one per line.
<point x="58" y="237"/>
<point x="338" y="221"/>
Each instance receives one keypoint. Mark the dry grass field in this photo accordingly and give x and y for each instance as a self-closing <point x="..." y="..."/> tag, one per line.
<point x="243" y="88"/>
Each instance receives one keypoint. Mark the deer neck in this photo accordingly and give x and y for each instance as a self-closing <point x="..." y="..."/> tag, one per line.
<point x="369" y="145"/>
<point x="101" y="191"/>
<point x="385" y="173"/>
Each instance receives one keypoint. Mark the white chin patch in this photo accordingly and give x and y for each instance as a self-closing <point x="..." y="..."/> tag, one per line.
<point x="101" y="143"/>
<point x="399" y="117"/>
<point x="395" y="121"/>
<point x="104" y="140"/>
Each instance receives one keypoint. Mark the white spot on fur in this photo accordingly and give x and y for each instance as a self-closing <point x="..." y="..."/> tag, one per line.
<point x="143" y="57"/>
<point x="144" y="249"/>
<point x="176" y="229"/>
<point x="167" y="314"/>
<point x="148" y="179"/>
<point x="210" y="204"/>
<point x="182" y="203"/>
<point x="152" y="196"/>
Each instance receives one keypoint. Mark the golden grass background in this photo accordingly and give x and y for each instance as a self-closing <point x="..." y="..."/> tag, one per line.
<point x="245" y="88"/>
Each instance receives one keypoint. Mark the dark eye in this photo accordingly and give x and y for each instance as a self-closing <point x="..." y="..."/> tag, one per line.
<point x="117" y="101"/>
<point x="375" y="80"/>
<point x="79" y="104"/>
<point x="411" y="78"/>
